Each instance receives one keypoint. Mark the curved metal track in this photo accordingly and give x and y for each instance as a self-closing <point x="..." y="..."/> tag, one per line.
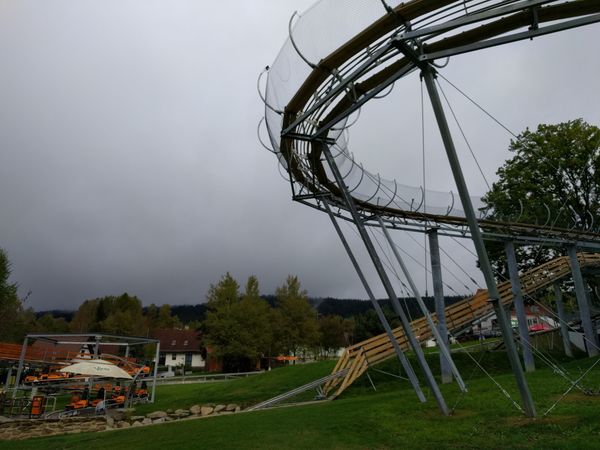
<point x="310" y="97"/>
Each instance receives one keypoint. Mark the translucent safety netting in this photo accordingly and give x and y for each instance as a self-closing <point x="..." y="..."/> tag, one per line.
<point x="339" y="55"/>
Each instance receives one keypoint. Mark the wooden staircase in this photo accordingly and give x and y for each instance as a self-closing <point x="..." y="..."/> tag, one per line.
<point x="358" y="357"/>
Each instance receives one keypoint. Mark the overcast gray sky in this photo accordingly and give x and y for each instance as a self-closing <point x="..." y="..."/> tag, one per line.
<point x="129" y="159"/>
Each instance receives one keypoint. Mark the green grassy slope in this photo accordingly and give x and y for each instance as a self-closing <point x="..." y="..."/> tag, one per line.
<point x="244" y="391"/>
<point x="390" y="417"/>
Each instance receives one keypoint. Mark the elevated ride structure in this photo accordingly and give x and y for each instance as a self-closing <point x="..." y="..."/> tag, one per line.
<point x="342" y="54"/>
<point x="358" y="358"/>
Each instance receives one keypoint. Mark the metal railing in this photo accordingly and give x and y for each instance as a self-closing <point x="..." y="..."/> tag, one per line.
<point x="205" y="378"/>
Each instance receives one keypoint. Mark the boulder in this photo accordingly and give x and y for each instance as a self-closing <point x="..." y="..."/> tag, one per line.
<point x="124" y="424"/>
<point x="156" y="415"/>
<point x="238" y="409"/>
<point x="231" y="407"/>
<point x="160" y="420"/>
<point x="5" y="419"/>
<point x="146" y="421"/>
<point x="136" y="418"/>
<point x="206" y="410"/>
<point x="137" y="423"/>
<point x="220" y="408"/>
<point x="117" y="415"/>
<point x="195" y="409"/>
<point x="182" y="412"/>
<point x="110" y="422"/>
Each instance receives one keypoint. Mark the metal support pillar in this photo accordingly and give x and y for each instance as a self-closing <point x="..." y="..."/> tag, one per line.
<point x="127" y="351"/>
<point x="413" y="287"/>
<point x="515" y="282"/>
<point x="386" y="283"/>
<point x="564" y="328"/>
<point x="20" y="368"/>
<point x="97" y="347"/>
<point x="8" y="376"/>
<point x="414" y="381"/>
<point x="157" y="357"/>
<point x="582" y="303"/>
<point x="588" y="296"/>
<point x="440" y="305"/>
<point x="484" y="263"/>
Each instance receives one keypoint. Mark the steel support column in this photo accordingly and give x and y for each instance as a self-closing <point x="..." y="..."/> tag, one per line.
<point x="582" y="302"/>
<point x="415" y="291"/>
<point x="384" y="322"/>
<point x="564" y="328"/>
<point x="8" y="376"/>
<point x="97" y="347"/>
<point x="440" y="305"/>
<point x="515" y="282"/>
<point x="157" y="356"/>
<point x="20" y="368"/>
<point x="588" y="296"/>
<point x="386" y="282"/>
<point x="484" y="263"/>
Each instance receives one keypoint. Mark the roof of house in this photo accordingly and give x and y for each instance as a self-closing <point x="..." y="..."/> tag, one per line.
<point x="179" y="340"/>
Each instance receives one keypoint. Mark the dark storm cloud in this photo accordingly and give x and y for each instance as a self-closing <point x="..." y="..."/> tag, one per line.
<point x="129" y="159"/>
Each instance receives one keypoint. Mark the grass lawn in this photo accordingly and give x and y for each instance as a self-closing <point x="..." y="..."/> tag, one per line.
<point x="244" y="391"/>
<point x="390" y="417"/>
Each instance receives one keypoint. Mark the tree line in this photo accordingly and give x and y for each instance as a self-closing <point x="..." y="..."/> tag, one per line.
<point x="241" y="326"/>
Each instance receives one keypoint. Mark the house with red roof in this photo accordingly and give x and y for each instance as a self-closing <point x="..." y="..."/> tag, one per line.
<point x="181" y="348"/>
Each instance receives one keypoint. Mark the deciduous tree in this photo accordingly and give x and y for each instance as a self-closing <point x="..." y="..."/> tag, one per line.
<point x="553" y="179"/>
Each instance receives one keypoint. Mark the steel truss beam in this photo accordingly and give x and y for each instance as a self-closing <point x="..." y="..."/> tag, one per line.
<point x="458" y="230"/>
<point x="529" y="34"/>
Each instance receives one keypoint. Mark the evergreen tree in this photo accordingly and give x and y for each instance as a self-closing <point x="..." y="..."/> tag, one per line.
<point x="299" y="329"/>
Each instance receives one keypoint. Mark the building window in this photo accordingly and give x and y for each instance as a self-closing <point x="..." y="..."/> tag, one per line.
<point x="173" y="356"/>
<point x="185" y="343"/>
<point x="173" y="342"/>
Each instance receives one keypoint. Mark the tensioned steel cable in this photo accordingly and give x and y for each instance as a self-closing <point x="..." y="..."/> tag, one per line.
<point x="571" y="387"/>
<point x="393" y="269"/>
<point x="464" y="137"/>
<point x="449" y="271"/>
<point x="477" y="105"/>
<point x="389" y="265"/>
<point x="429" y="270"/>
<point x="504" y="391"/>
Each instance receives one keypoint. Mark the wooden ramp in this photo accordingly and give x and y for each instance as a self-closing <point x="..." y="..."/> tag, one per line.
<point x="357" y="358"/>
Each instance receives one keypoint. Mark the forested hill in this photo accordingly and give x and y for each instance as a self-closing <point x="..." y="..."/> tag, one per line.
<point x="345" y="308"/>
<point x="351" y="308"/>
